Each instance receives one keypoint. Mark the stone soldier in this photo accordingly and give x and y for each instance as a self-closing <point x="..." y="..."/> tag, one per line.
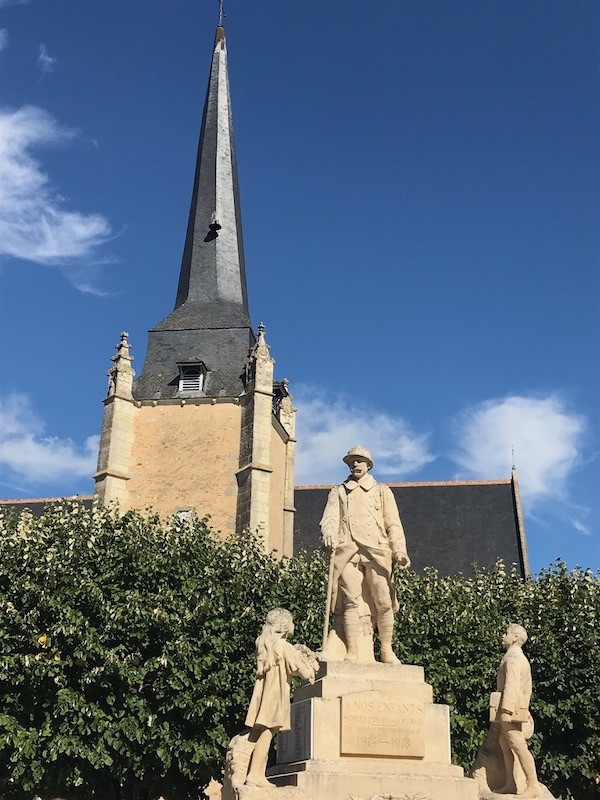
<point x="361" y="524"/>
<point x="513" y="685"/>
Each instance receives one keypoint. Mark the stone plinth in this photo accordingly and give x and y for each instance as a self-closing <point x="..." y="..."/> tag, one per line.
<point x="365" y="730"/>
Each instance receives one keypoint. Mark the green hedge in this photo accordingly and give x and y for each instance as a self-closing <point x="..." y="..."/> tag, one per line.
<point x="127" y="653"/>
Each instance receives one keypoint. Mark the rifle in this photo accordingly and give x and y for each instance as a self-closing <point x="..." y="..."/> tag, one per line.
<point x="328" y="603"/>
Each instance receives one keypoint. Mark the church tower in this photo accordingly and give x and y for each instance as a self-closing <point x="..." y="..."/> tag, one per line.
<point x="205" y="427"/>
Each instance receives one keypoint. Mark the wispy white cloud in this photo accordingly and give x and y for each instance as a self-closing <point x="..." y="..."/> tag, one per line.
<point x="581" y="527"/>
<point x="45" y="62"/>
<point x="328" y="426"/>
<point x="546" y="434"/>
<point x="28" y="454"/>
<point x="3" y="38"/>
<point x="5" y="3"/>
<point x="34" y="222"/>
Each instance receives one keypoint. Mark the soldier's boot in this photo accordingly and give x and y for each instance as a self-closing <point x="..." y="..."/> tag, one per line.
<point x="385" y="626"/>
<point x="352" y="630"/>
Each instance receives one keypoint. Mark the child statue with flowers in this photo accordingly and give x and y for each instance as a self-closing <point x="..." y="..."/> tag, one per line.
<point x="277" y="661"/>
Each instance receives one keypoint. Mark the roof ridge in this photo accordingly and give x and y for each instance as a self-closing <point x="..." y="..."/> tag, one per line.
<point x="474" y="482"/>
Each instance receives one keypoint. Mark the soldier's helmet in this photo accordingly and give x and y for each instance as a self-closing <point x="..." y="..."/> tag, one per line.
<point x="358" y="452"/>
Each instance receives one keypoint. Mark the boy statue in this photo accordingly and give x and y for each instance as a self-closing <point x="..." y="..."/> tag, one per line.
<point x="509" y="709"/>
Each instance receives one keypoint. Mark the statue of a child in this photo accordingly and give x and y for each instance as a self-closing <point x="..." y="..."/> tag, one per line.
<point x="277" y="661"/>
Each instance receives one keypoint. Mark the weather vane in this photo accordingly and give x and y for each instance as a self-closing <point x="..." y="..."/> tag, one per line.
<point x="221" y="14"/>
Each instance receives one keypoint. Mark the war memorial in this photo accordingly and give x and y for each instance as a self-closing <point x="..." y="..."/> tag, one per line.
<point x="347" y="721"/>
<point x="358" y="727"/>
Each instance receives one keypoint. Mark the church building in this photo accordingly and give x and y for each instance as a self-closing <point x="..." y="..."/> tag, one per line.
<point x="204" y="427"/>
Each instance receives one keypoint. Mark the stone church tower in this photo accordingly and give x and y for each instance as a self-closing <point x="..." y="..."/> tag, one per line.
<point x="205" y="426"/>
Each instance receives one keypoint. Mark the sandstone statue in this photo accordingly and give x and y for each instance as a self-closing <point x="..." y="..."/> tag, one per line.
<point x="277" y="662"/>
<point x="504" y="764"/>
<point x="362" y="529"/>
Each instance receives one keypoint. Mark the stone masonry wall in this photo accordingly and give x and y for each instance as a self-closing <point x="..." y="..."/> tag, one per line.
<point x="187" y="457"/>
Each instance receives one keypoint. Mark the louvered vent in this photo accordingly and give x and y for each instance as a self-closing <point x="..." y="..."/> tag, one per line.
<point x="191" y="378"/>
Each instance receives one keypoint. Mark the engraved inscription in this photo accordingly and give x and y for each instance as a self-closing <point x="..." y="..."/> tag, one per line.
<point x="296" y="744"/>
<point x="382" y="725"/>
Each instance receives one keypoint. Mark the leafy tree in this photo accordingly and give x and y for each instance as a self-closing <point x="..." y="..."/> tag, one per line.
<point x="127" y="652"/>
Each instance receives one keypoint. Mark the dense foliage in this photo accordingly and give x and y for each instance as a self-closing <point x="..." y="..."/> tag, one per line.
<point x="126" y="653"/>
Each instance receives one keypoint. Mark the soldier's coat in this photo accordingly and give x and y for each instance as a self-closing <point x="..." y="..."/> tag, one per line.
<point x="363" y="516"/>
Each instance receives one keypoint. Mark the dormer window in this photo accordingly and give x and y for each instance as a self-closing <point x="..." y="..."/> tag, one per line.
<point x="191" y="377"/>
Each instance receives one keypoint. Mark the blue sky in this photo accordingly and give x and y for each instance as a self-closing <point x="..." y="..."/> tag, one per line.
<point x="420" y="203"/>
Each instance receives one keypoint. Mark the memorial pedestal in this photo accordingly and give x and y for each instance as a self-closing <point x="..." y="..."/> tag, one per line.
<point x="362" y="731"/>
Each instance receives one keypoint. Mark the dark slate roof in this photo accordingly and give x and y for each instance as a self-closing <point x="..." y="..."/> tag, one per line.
<point x="210" y="321"/>
<point x="449" y="525"/>
<point x="37" y="504"/>
<point x="223" y="350"/>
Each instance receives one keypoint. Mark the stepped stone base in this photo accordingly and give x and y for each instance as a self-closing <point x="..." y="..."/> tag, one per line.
<point x="365" y="732"/>
<point x="331" y="780"/>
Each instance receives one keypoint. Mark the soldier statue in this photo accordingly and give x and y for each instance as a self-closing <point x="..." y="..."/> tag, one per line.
<point x="361" y="527"/>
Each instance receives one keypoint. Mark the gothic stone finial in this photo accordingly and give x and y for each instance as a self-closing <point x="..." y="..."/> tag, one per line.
<point x="123" y="353"/>
<point x="122" y="348"/>
<point x="121" y="364"/>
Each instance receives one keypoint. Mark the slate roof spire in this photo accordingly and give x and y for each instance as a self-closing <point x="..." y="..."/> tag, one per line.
<point x="212" y="280"/>
<point x="211" y="307"/>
